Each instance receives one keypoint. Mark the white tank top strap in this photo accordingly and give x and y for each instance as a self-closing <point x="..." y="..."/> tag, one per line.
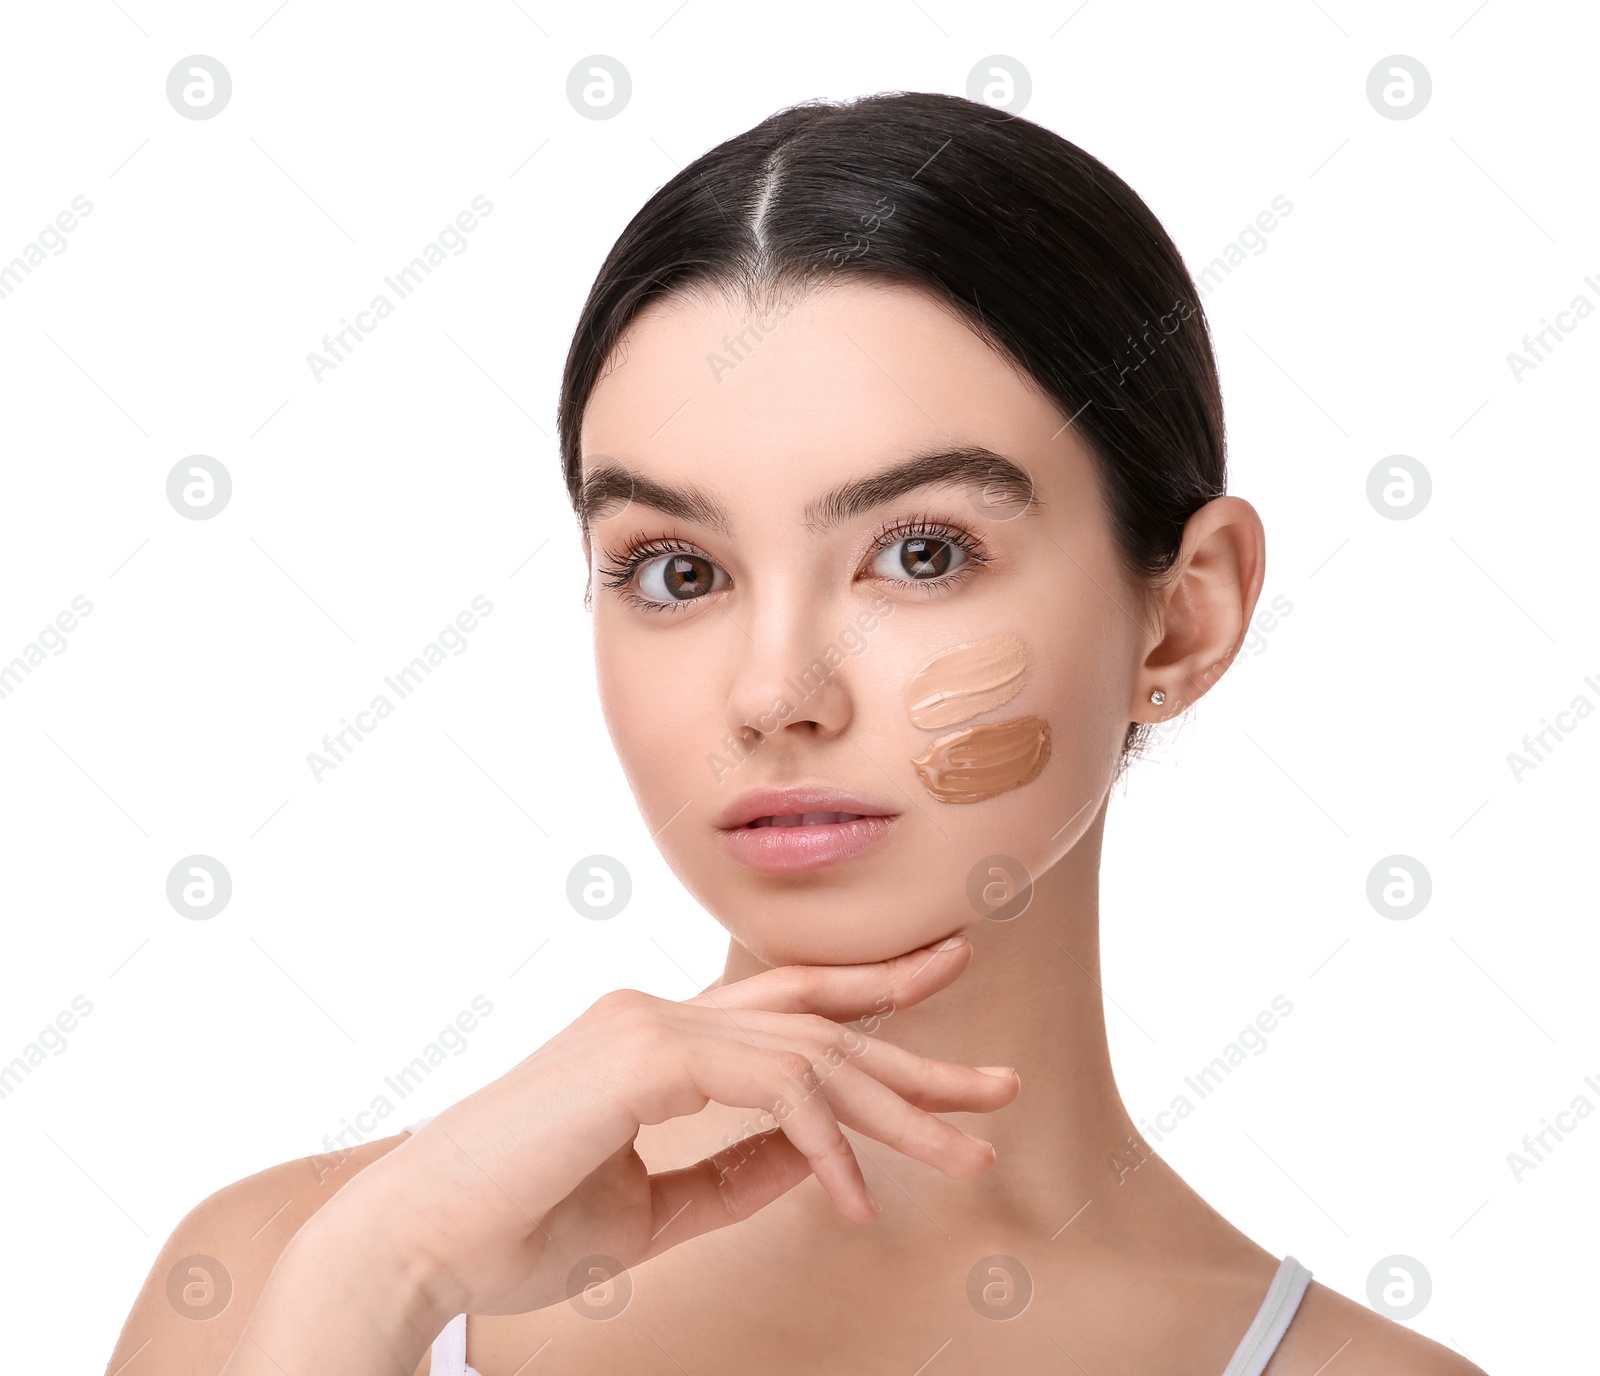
<point x="449" y="1356"/>
<point x="1261" y="1339"/>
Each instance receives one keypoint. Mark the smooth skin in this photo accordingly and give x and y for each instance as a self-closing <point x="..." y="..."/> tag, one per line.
<point x="610" y="1138"/>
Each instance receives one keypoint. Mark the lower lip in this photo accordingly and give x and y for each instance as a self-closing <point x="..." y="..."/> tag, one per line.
<point x="788" y="850"/>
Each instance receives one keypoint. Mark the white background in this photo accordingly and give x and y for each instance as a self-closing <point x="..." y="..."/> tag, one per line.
<point x="369" y="509"/>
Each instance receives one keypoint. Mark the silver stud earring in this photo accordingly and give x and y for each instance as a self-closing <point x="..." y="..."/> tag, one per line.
<point x="1157" y="696"/>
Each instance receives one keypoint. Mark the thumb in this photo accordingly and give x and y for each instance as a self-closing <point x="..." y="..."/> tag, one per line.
<point x="726" y="1187"/>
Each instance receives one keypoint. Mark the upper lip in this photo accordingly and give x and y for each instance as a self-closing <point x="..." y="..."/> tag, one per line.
<point x="777" y="802"/>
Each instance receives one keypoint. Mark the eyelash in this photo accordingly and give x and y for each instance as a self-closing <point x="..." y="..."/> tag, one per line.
<point x="914" y="527"/>
<point x="628" y="561"/>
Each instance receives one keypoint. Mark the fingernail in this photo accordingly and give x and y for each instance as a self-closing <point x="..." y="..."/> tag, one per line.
<point x="950" y="943"/>
<point x="981" y="1141"/>
<point x="1001" y="1070"/>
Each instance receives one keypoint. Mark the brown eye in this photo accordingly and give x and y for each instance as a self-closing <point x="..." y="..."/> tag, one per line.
<point x="680" y="577"/>
<point x="918" y="558"/>
<point x="925" y="558"/>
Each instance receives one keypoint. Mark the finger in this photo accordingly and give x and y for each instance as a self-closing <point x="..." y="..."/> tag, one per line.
<point x="726" y="1187"/>
<point x="932" y="1085"/>
<point x="845" y="992"/>
<point x="869" y="1106"/>
<point x="774" y="1080"/>
<point x="736" y="1182"/>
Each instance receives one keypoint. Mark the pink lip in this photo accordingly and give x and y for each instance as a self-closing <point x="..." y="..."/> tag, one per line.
<point x="754" y="835"/>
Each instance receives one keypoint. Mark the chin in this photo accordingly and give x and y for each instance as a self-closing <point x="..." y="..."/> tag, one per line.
<point x="792" y="922"/>
<point x="777" y="948"/>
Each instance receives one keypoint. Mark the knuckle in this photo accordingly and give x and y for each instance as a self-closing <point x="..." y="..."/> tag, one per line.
<point x="821" y="1037"/>
<point x="854" y="1041"/>
<point x="839" y="1145"/>
<point x="726" y="1194"/>
<point x="924" y="1081"/>
<point x="821" y="1029"/>
<point x="804" y="981"/>
<point x="625" y="1010"/>
<point x="794" y="1065"/>
<point x="614" y="1000"/>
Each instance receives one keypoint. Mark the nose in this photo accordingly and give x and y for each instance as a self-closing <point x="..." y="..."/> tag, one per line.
<point x="789" y="674"/>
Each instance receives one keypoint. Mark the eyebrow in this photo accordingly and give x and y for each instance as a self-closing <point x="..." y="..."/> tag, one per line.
<point x="1004" y="482"/>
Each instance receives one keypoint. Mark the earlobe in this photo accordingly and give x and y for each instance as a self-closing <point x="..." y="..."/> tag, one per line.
<point x="1157" y="698"/>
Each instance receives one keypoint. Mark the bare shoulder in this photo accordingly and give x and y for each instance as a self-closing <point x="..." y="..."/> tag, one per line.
<point x="1330" y="1326"/>
<point x="204" y="1283"/>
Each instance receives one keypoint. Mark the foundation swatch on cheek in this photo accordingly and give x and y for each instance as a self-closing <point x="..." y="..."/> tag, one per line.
<point x="966" y="681"/>
<point x="984" y="761"/>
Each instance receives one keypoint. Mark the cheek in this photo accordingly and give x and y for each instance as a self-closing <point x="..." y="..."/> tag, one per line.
<point x="967" y="681"/>
<point x="1085" y="682"/>
<point x="653" y="708"/>
<point x="1064" y="700"/>
<point x="982" y="762"/>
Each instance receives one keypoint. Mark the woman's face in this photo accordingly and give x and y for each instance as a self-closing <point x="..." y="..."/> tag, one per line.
<point x="761" y="608"/>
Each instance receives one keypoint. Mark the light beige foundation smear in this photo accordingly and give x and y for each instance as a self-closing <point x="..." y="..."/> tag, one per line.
<point x="983" y="761"/>
<point x="966" y="681"/>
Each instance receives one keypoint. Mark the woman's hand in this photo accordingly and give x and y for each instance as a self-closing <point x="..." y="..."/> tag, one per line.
<point x="505" y="1191"/>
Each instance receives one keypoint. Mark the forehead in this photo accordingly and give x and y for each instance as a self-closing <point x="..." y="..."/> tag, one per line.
<point x="770" y="408"/>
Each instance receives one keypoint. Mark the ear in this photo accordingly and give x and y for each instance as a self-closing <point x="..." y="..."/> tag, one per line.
<point x="1203" y="608"/>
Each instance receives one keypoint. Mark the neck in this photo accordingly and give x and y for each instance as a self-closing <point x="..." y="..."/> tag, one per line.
<point x="1066" y="1147"/>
